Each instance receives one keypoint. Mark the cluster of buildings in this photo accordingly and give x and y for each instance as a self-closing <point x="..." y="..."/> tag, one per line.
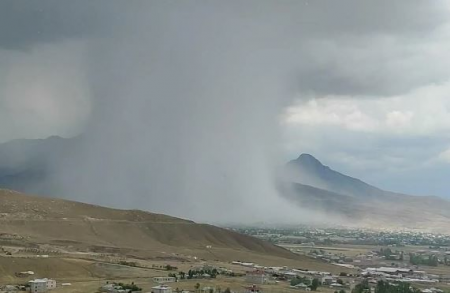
<point x="265" y="275"/>
<point x="399" y="274"/>
<point x="34" y="286"/>
<point x="260" y="275"/>
<point x="311" y="236"/>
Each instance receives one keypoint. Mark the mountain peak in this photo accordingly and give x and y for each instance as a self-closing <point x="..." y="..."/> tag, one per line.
<point x="309" y="160"/>
<point x="305" y="156"/>
<point x="308" y="170"/>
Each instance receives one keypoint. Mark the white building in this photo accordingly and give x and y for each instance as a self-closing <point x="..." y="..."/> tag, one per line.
<point x="336" y="285"/>
<point x="390" y="271"/>
<point x="327" y="280"/>
<point x="41" y="285"/>
<point x="161" y="289"/>
<point x="256" y="277"/>
<point x="290" y="275"/>
<point x="164" y="279"/>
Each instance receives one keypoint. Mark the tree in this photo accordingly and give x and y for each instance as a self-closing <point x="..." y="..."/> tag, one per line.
<point x="197" y="286"/>
<point x="404" y="287"/>
<point x="315" y="284"/>
<point x="173" y="275"/>
<point x="382" y="287"/>
<point x="170" y="268"/>
<point x="340" y="281"/>
<point x="298" y="280"/>
<point x="182" y="275"/>
<point x="399" y="287"/>
<point x="432" y="260"/>
<point x="214" y="273"/>
<point x="132" y="287"/>
<point x="363" y="286"/>
<point x="227" y="290"/>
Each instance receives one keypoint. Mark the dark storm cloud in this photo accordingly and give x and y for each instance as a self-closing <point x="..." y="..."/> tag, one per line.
<point x="370" y="17"/>
<point x="24" y="23"/>
<point x="306" y="31"/>
<point x="186" y="94"/>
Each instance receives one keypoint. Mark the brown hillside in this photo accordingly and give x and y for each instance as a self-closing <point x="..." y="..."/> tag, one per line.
<point x="55" y="221"/>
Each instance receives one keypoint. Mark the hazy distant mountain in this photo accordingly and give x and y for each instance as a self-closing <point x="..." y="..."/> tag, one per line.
<point x="308" y="183"/>
<point x="30" y="165"/>
<point x="308" y="170"/>
<point x="26" y="164"/>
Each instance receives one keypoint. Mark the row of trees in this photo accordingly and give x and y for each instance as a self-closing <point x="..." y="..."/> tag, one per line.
<point x="192" y="274"/>
<point x="391" y="255"/>
<point x="385" y="287"/>
<point x="195" y="273"/>
<point x="218" y="290"/>
<point x="431" y="260"/>
<point x="132" y="287"/>
<point x="398" y="287"/>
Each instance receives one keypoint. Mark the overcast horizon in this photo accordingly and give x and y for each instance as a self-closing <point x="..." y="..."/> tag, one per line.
<point x="236" y="85"/>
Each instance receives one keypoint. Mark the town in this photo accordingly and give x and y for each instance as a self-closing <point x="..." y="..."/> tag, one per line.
<point x="357" y="261"/>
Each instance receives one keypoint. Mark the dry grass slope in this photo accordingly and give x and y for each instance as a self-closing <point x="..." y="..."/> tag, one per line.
<point x="47" y="220"/>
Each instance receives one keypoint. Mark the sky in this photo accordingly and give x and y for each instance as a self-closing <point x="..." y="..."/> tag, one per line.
<point x="208" y="97"/>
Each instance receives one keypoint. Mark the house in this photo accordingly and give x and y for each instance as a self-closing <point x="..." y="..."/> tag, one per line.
<point x="164" y="279"/>
<point x="112" y="288"/>
<point x="41" y="285"/>
<point x="290" y="275"/>
<point x="256" y="277"/>
<point x="301" y="286"/>
<point x="162" y="289"/>
<point x="327" y="280"/>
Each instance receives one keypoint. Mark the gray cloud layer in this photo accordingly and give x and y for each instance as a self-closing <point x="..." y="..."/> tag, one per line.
<point x="184" y="96"/>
